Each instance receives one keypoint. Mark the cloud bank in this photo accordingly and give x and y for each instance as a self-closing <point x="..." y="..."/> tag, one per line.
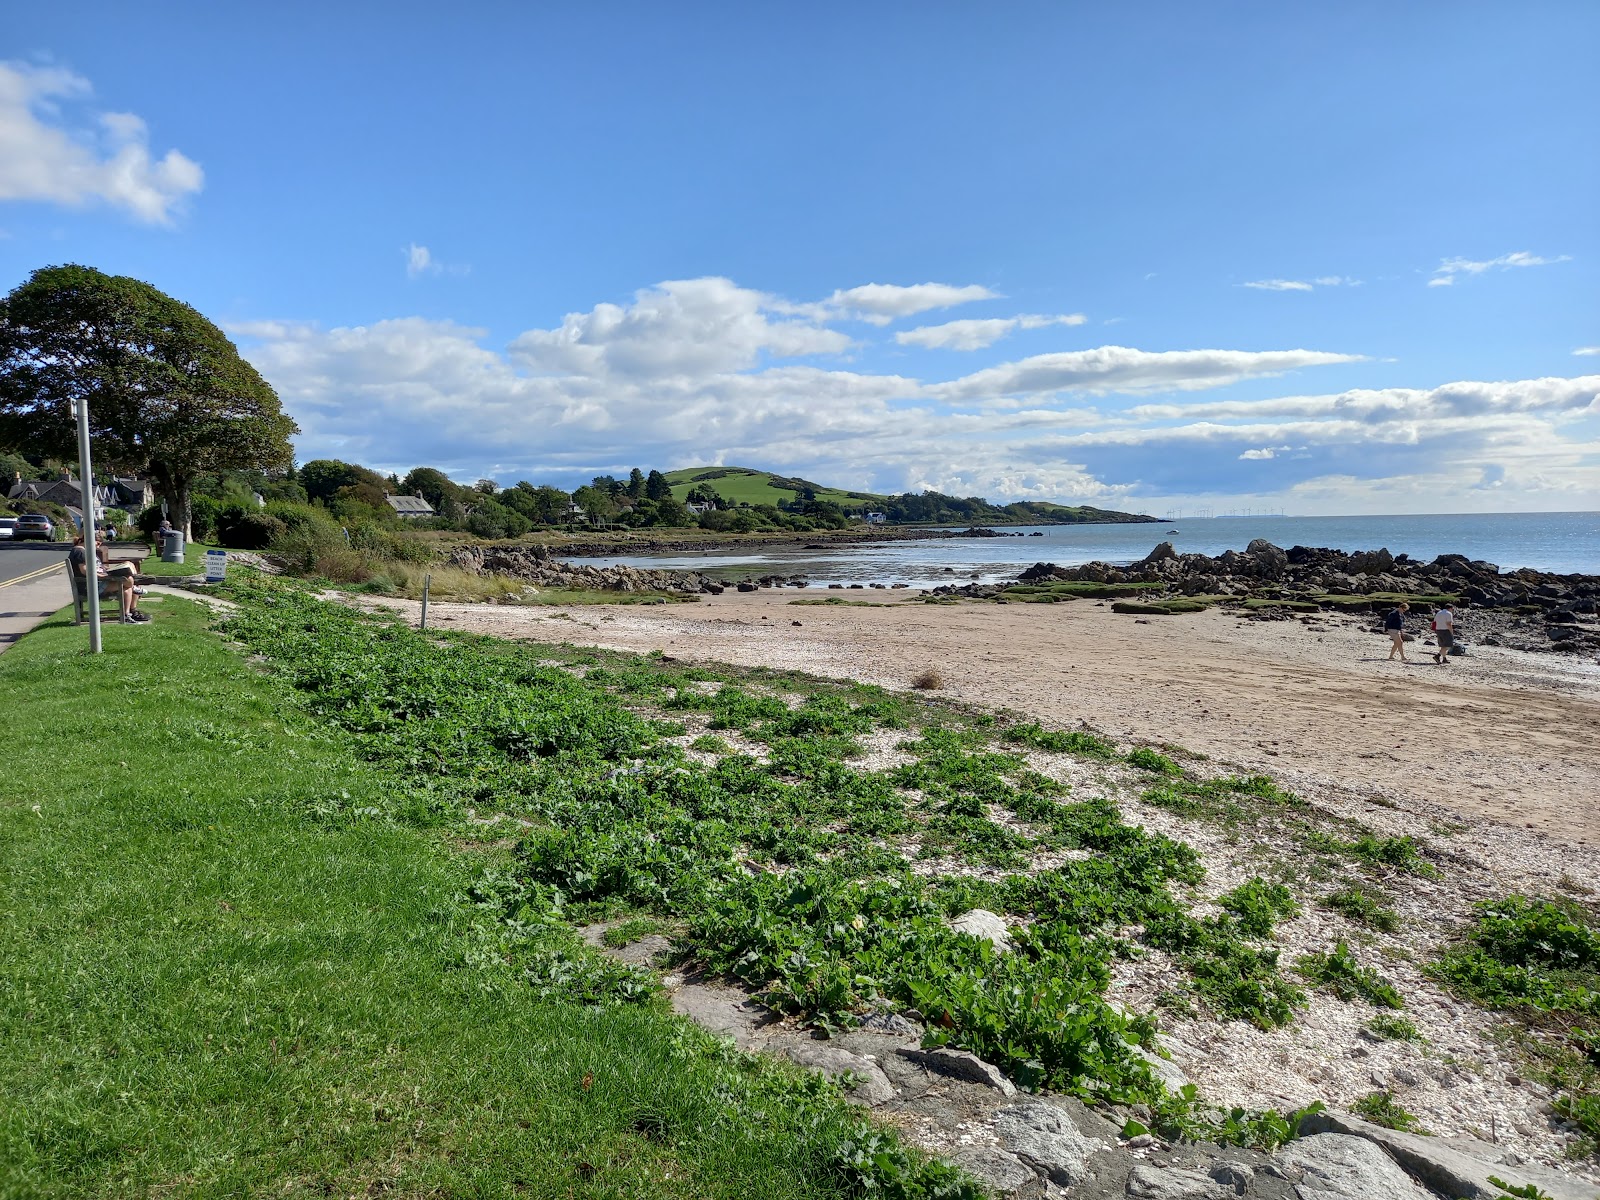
<point x="101" y="157"/>
<point x="704" y="371"/>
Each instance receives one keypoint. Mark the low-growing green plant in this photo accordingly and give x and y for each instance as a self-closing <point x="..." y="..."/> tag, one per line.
<point x="1395" y="1028"/>
<point x="1381" y="1108"/>
<point x="1339" y="972"/>
<point x="1399" y="852"/>
<point x="710" y="743"/>
<point x="1068" y="741"/>
<point x="1359" y="905"/>
<point x="1522" y="1191"/>
<point x="793" y="873"/>
<point x="1147" y="759"/>
<point x="1182" y="1114"/>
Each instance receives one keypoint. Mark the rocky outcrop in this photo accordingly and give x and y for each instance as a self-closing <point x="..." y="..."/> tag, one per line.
<point x="537" y="566"/>
<point x="1552" y="612"/>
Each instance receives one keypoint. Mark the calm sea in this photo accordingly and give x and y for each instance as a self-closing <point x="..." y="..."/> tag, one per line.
<point x="1562" y="542"/>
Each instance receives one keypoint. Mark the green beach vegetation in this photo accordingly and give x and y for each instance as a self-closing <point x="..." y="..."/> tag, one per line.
<point x="248" y="956"/>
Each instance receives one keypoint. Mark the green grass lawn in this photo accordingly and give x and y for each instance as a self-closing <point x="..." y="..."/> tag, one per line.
<point x="230" y="970"/>
<point x="194" y="561"/>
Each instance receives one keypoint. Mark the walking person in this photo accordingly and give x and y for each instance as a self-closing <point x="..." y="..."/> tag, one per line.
<point x="1444" y="632"/>
<point x="1395" y="626"/>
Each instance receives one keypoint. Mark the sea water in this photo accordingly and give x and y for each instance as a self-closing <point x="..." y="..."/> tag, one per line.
<point x="1566" y="543"/>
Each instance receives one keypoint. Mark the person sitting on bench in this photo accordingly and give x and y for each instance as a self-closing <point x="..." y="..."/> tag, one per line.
<point x="116" y="582"/>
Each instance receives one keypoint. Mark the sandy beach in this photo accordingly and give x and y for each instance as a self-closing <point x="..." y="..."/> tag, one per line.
<point x="1500" y="734"/>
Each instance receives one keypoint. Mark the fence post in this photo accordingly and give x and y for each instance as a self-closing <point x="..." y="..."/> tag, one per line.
<point x="427" y="581"/>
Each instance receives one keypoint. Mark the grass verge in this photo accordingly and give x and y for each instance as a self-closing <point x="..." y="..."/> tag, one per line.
<point x="243" y="961"/>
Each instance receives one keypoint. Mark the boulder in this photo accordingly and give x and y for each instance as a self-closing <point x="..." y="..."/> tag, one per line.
<point x="1042" y="1135"/>
<point x="962" y="1065"/>
<point x="1338" y="1166"/>
<point x="1002" y="1171"/>
<point x="1160" y="554"/>
<point x="872" y="1085"/>
<point x="1452" y="1166"/>
<point x="981" y="923"/>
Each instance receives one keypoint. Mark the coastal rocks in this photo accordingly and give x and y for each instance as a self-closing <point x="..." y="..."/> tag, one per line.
<point x="1335" y="1166"/>
<point x="535" y="565"/>
<point x="1452" y="1166"/>
<point x="1043" y="1136"/>
<point x="961" y="1065"/>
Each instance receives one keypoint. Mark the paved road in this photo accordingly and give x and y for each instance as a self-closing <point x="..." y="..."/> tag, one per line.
<point x="32" y="586"/>
<point x="24" y="558"/>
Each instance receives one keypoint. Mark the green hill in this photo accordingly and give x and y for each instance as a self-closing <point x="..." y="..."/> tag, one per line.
<point x="744" y="485"/>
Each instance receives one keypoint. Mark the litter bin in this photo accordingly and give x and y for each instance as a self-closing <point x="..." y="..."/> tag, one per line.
<point x="172" y="546"/>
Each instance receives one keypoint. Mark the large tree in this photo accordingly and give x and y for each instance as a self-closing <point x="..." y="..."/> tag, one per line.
<point x="166" y="389"/>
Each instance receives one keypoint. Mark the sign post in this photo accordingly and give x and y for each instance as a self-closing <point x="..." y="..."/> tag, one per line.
<point x="216" y="566"/>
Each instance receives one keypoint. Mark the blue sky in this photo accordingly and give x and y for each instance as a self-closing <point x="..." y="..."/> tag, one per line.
<point x="1317" y="258"/>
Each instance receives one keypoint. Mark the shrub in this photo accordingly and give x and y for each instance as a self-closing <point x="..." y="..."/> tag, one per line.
<point x="248" y="529"/>
<point x="929" y="680"/>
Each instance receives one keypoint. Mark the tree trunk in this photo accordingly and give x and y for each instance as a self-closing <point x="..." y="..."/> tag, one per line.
<point x="180" y="514"/>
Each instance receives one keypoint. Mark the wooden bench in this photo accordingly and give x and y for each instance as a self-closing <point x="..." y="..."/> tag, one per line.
<point x="79" y="599"/>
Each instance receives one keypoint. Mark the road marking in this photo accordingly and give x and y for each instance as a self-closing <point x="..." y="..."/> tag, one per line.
<point x="30" y="575"/>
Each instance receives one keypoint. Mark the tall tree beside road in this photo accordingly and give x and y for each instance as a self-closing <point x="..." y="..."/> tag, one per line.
<point x="167" y="391"/>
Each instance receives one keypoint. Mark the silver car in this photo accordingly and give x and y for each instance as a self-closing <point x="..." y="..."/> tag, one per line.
<point x="8" y="526"/>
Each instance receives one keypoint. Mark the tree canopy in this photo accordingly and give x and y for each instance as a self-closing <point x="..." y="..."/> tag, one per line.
<point x="167" y="391"/>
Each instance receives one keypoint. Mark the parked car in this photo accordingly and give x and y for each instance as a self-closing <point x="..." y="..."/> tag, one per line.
<point x="34" y="525"/>
<point x="8" y="526"/>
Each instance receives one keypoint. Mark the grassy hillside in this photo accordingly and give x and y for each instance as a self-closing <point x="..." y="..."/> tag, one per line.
<point x="747" y="486"/>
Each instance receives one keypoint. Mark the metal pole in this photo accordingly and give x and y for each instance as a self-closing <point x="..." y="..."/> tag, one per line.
<point x="91" y="575"/>
<point x="427" y="581"/>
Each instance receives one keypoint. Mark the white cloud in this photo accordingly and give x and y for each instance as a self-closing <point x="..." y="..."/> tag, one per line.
<point x="420" y="261"/>
<point x="704" y="371"/>
<point x="1301" y="285"/>
<point x="1587" y="350"/>
<point x="1121" y="369"/>
<point x="102" y="157"/>
<point x="681" y="329"/>
<point x="880" y="303"/>
<point x="1444" y="275"/>
<point x="977" y="333"/>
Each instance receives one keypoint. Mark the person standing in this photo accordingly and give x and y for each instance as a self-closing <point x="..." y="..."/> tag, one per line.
<point x="1444" y="632"/>
<point x="1395" y="626"/>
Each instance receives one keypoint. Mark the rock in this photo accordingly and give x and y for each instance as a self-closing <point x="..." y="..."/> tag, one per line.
<point x="981" y="923"/>
<point x="890" y="1022"/>
<point x="643" y="952"/>
<point x="1339" y="1167"/>
<point x="1167" y="1071"/>
<point x="872" y="1086"/>
<point x="722" y="1010"/>
<point x="1042" y="1135"/>
<point x="1147" y="1182"/>
<point x="1453" y="1166"/>
<point x="962" y="1065"/>
<point x="1005" y="1173"/>
<point x="1160" y="553"/>
<point x="1561" y="616"/>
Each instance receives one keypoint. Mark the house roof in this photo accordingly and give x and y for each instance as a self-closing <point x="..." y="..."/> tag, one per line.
<point x="410" y="506"/>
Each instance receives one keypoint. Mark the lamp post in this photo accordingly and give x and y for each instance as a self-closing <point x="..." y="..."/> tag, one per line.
<point x="91" y="564"/>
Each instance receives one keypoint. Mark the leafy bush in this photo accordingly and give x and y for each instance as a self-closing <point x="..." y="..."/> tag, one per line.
<point x="1147" y="759"/>
<point x="1395" y="1028"/>
<point x="248" y="529"/>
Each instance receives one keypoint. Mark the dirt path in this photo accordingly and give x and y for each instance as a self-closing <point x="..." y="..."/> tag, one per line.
<point x="1501" y="734"/>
